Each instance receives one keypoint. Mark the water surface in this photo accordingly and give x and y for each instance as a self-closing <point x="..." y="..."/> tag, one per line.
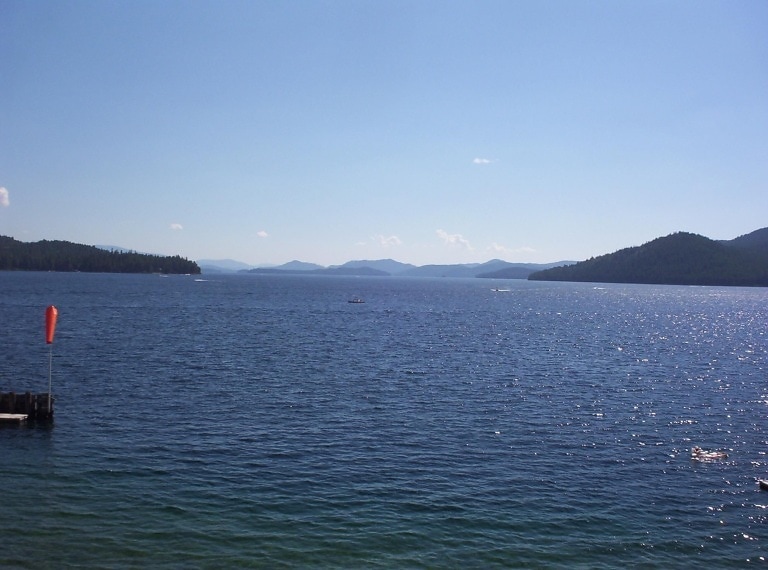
<point x="265" y="422"/>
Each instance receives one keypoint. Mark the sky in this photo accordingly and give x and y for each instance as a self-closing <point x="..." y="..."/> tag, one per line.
<point x="426" y="131"/>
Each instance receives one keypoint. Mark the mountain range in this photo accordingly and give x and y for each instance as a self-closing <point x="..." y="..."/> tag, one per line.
<point x="681" y="258"/>
<point x="494" y="268"/>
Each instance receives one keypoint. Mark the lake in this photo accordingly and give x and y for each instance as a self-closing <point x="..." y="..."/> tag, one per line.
<point x="244" y="421"/>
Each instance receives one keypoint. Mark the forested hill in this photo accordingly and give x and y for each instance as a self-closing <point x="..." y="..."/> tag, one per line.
<point x="678" y="259"/>
<point x="66" y="256"/>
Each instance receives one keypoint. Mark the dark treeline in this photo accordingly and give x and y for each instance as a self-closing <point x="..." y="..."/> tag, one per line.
<point x="66" y="256"/>
<point x="678" y="259"/>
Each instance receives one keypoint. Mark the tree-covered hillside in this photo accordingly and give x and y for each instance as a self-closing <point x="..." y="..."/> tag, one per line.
<point x="678" y="259"/>
<point x="66" y="256"/>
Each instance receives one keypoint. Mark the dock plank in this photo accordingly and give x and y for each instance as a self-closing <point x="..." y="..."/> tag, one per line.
<point x="13" y="417"/>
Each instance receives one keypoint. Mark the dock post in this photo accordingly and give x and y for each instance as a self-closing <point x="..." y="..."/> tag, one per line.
<point x="45" y="406"/>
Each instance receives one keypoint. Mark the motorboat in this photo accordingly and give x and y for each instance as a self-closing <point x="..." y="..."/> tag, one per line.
<point x="700" y="454"/>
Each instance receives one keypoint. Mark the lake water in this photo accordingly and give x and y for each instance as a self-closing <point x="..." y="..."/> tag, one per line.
<point x="265" y="422"/>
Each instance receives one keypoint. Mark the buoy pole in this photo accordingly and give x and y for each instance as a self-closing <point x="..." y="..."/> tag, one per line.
<point x="51" y="314"/>
<point x="50" y="374"/>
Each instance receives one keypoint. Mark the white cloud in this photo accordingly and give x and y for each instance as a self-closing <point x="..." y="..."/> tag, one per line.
<point x="262" y="234"/>
<point x="454" y="239"/>
<point x="498" y="248"/>
<point x="177" y="227"/>
<point x="4" y="200"/>
<point x="388" y="241"/>
<point x="482" y="161"/>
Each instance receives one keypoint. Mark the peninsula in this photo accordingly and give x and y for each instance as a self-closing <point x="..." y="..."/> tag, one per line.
<point x="67" y="256"/>
<point x="677" y="259"/>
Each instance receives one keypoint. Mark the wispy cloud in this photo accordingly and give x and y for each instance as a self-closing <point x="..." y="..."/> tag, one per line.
<point x="176" y="226"/>
<point x="454" y="239"/>
<point x="388" y="241"/>
<point x="501" y="249"/>
<point x="482" y="161"/>
<point x="262" y="234"/>
<point x="4" y="199"/>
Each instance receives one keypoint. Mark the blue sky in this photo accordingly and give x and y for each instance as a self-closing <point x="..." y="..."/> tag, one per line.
<point x="424" y="131"/>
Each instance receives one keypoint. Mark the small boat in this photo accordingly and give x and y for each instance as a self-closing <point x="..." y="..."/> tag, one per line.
<point x="763" y="484"/>
<point x="699" y="454"/>
<point x="355" y="300"/>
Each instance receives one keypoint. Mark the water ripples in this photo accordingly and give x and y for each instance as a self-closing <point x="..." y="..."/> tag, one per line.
<point x="265" y="422"/>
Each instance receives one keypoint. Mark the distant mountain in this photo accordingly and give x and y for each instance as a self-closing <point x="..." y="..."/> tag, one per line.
<point x="493" y="269"/>
<point x="521" y="270"/>
<point x="462" y="270"/>
<point x="496" y="269"/>
<point x="288" y="268"/>
<point x="317" y="270"/>
<point x="344" y="270"/>
<point x="389" y="266"/>
<point x="222" y="265"/>
<point x="677" y="259"/>
<point x="298" y="266"/>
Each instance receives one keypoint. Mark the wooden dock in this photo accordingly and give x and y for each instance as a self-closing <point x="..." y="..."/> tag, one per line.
<point x="13" y="418"/>
<point x="27" y="406"/>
